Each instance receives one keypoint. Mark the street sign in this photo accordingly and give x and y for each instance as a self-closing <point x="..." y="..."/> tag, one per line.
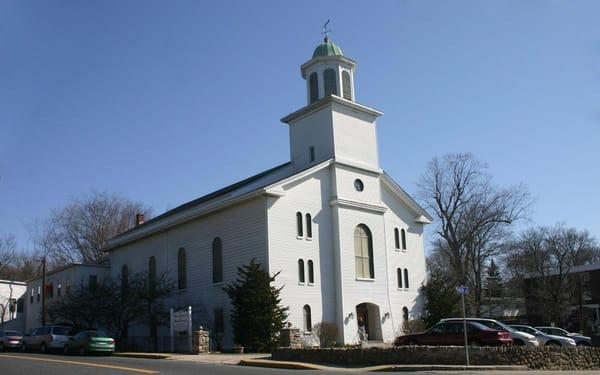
<point x="462" y="289"/>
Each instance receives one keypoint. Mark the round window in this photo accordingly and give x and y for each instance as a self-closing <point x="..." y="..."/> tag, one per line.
<point x="358" y="185"/>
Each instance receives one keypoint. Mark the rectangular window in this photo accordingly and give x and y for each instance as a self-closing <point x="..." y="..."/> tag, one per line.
<point x="93" y="283"/>
<point x="58" y="289"/>
<point x="31" y="296"/>
<point x="39" y="292"/>
<point x="311" y="153"/>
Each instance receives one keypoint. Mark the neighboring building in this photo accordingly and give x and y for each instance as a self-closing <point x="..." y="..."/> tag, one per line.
<point x="11" y="304"/>
<point x="583" y="294"/>
<point x="59" y="282"/>
<point x="346" y="239"/>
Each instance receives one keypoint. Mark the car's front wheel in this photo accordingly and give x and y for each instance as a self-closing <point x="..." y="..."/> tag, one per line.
<point x="43" y="347"/>
<point x="413" y="343"/>
<point x="81" y="350"/>
<point x="23" y="347"/>
<point x="1" y="346"/>
<point x="553" y="343"/>
<point x="518" y="342"/>
<point x="66" y="349"/>
<point x="582" y="343"/>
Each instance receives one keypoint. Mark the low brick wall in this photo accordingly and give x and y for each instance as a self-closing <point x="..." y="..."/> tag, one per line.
<point x="548" y="358"/>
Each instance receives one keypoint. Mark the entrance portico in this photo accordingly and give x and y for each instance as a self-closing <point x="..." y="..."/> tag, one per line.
<point x="368" y="317"/>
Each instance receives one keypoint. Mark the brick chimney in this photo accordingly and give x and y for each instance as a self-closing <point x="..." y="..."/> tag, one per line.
<point x="139" y="219"/>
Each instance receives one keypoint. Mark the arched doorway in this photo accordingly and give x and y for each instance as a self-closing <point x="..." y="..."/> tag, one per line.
<point x="367" y="315"/>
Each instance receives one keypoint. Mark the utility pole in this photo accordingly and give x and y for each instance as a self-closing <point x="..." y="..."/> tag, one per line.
<point x="44" y="291"/>
<point x="464" y="290"/>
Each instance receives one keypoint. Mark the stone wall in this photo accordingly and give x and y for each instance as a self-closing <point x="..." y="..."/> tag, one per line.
<point x="200" y="342"/>
<point x="547" y="358"/>
<point x="290" y="338"/>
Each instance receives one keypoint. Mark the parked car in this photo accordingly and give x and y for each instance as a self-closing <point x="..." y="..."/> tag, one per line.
<point x="10" y="340"/>
<point x="547" y="340"/>
<point x="451" y="333"/>
<point x="579" y="339"/>
<point x="46" y="338"/>
<point x="90" y="341"/>
<point x="519" y="338"/>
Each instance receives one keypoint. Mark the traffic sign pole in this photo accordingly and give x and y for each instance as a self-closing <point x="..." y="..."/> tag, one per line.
<point x="465" y="328"/>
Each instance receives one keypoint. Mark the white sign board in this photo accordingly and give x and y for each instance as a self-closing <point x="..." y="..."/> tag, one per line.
<point x="181" y="321"/>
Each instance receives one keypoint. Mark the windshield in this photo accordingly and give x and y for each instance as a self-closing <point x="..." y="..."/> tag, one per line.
<point x="64" y="331"/>
<point x="498" y="326"/>
<point x="12" y="333"/>
<point x="530" y="330"/>
<point x="98" y="333"/>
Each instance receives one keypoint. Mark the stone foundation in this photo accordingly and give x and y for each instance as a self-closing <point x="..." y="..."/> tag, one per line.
<point x="200" y="342"/>
<point x="579" y="358"/>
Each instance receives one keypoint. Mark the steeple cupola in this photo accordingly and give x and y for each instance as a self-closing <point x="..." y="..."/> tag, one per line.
<point x="329" y="72"/>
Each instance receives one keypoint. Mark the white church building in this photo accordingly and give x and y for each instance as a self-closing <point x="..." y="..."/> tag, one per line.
<point x="346" y="239"/>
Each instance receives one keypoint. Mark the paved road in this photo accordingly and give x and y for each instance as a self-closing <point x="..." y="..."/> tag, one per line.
<point x="40" y="364"/>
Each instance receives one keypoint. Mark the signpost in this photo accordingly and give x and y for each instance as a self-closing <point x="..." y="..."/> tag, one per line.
<point x="181" y="321"/>
<point x="463" y="290"/>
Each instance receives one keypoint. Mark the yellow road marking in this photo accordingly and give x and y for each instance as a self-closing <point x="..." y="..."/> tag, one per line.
<point x="132" y="369"/>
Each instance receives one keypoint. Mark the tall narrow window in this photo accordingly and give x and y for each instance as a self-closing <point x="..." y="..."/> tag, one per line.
<point x="363" y="252"/>
<point x="396" y="238"/>
<point x="307" y="318"/>
<point x="404" y="314"/>
<point x="181" y="269"/>
<point x="39" y="292"/>
<point x="58" y="289"/>
<point x="406" y="278"/>
<point x="311" y="153"/>
<point x="330" y="82"/>
<point x="217" y="260"/>
<point x="92" y="283"/>
<point x="403" y="232"/>
<point x="124" y="278"/>
<point x="152" y="275"/>
<point x="308" y="226"/>
<point x="346" y="85"/>
<point x="311" y="272"/>
<point x="314" y="87"/>
<point x="301" y="270"/>
<point x="299" y="231"/>
<point x="399" y="272"/>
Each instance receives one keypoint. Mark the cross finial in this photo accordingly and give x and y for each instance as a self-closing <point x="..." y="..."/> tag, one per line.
<point x="326" y="31"/>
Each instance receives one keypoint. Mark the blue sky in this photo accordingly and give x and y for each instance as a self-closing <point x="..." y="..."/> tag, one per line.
<point x="166" y="101"/>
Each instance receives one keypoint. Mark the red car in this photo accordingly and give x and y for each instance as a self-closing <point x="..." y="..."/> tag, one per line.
<point x="451" y="333"/>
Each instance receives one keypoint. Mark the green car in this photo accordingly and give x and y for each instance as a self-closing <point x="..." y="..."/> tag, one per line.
<point x="90" y="341"/>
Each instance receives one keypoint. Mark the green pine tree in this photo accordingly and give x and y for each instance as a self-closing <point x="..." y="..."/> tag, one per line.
<point x="494" y="285"/>
<point x="257" y="315"/>
<point x="441" y="298"/>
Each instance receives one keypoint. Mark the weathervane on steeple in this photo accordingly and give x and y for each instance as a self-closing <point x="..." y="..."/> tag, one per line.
<point x="326" y="31"/>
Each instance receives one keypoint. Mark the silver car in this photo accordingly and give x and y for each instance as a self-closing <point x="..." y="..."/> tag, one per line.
<point x="547" y="340"/>
<point x="46" y="338"/>
<point x="10" y="340"/>
<point x="579" y="339"/>
<point x="519" y="338"/>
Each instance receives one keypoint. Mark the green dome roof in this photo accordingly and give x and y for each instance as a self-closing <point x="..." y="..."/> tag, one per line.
<point x="327" y="48"/>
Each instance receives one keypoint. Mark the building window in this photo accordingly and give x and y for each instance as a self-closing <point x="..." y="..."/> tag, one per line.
<point x="358" y="185"/>
<point x="301" y="270"/>
<point x="403" y="234"/>
<point x="124" y="278"/>
<point x="363" y="252"/>
<point x="404" y="314"/>
<point x="39" y="292"/>
<point x="346" y="86"/>
<point x="406" y="278"/>
<point x="92" y="283"/>
<point x="219" y="321"/>
<point x="31" y="296"/>
<point x="314" y="87"/>
<point x="152" y="275"/>
<point x="20" y="305"/>
<point x="58" y="289"/>
<point x="311" y="272"/>
<point x="330" y="82"/>
<point x="299" y="231"/>
<point x="399" y="272"/>
<point x="396" y="238"/>
<point x="181" y="269"/>
<point x="217" y="260"/>
<point x="308" y="226"/>
<point x="307" y="318"/>
<point x="311" y="153"/>
<point x="49" y="291"/>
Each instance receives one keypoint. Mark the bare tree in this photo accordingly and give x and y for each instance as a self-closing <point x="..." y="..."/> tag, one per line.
<point x="8" y="246"/>
<point x="474" y="216"/>
<point x="544" y="258"/>
<point x="79" y="231"/>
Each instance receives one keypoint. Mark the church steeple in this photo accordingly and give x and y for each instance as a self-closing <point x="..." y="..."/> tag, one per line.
<point x="328" y="72"/>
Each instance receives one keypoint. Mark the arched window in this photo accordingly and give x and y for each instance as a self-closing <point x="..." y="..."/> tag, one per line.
<point x="314" y="87"/>
<point x="346" y="86"/>
<point x="124" y="278"/>
<point x="300" y="270"/>
<point x="181" y="269"/>
<point x="396" y="238"/>
<point x="308" y="226"/>
<point x="330" y="82"/>
<point x="299" y="231"/>
<point x="406" y="278"/>
<point x="152" y="274"/>
<point x="217" y="260"/>
<point x="404" y="314"/>
<point x="399" y="272"/>
<point x="403" y="233"/>
<point x="307" y="318"/>
<point x="363" y="252"/>
<point x="311" y="272"/>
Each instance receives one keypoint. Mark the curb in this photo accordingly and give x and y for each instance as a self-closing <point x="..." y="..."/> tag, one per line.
<point x="278" y="364"/>
<point x="143" y="355"/>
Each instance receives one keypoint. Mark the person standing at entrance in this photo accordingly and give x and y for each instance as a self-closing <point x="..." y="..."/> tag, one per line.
<point x="362" y="331"/>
